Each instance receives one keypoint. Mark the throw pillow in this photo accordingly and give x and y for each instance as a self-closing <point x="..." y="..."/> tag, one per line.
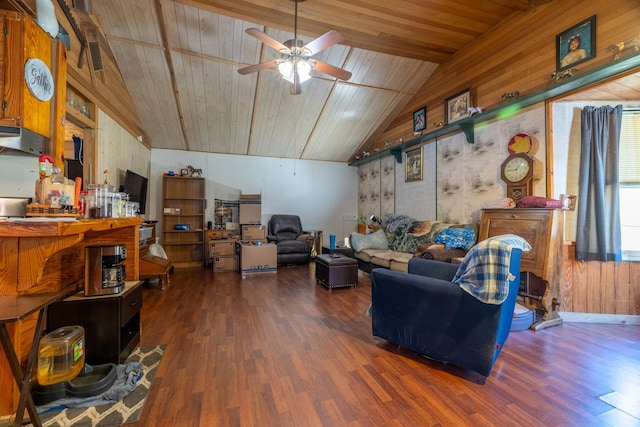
<point x="420" y="228"/>
<point x="436" y="228"/>
<point x="375" y="240"/>
<point x="456" y="238"/>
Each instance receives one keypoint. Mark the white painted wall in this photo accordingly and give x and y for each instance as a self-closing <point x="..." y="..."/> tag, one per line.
<point x="321" y="193"/>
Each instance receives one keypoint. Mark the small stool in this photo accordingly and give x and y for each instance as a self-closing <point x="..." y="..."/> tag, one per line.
<point x="336" y="271"/>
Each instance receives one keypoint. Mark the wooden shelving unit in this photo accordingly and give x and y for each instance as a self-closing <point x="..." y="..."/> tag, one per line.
<point x="184" y="204"/>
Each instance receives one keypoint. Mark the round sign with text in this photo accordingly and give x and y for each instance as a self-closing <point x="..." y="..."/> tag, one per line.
<point x="38" y="79"/>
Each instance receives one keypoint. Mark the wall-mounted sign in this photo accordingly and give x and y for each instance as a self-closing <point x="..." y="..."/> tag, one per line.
<point x="38" y="79"/>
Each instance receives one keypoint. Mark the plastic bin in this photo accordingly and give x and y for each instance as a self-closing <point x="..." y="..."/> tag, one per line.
<point x="61" y="355"/>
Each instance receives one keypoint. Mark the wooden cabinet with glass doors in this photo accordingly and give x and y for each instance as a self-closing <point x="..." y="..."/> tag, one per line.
<point x="183" y="207"/>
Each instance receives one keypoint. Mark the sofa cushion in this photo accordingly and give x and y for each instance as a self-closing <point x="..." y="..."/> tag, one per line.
<point x="382" y="259"/>
<point x="456" y="238"/>
<point x="366" y="254"/>
<point x="401" y="257"/>
<point x="389" y="258"/>
<point x="375" y="240"/>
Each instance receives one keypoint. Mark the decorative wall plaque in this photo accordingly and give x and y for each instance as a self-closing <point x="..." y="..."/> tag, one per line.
<point x="38" y="79"/>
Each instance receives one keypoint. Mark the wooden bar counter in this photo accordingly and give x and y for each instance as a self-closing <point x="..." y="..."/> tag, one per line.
<point x="39" y="256"/>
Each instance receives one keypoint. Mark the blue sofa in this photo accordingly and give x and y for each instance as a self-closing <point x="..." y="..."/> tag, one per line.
<point x="424" y="311"/>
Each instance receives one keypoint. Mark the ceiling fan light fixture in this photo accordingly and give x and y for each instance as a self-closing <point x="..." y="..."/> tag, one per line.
<point x="288" y="68"/>
<point x="303" y="70"/>
<point x="295" y="63"/>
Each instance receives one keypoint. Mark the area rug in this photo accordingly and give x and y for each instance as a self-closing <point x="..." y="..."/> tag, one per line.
<point x="125" y="411"/>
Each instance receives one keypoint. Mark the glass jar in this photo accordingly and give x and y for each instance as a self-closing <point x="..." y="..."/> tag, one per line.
<point x="82" y="203"/>
<point x="116" y="203"/>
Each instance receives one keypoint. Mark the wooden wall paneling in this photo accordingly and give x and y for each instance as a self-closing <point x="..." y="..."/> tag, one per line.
<point x="505" y="59"/>
<point x="568" y="284"/>
<point x="592" y="298"/>
<point x="111" y="95"/>
<point x="61" y="269"/>
<point x="118" y="150"/>
<point x="621" y="283"/>
<point x="8" y="265"/>
<point x="609" y="292"/>
<point x="36" y="253"/>
<point x="634" y="282"/>
<point x="59" y="104"/>
<point x="599" y="287"/>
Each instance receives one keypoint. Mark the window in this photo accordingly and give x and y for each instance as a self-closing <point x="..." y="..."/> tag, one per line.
<point x="629" y="176"/>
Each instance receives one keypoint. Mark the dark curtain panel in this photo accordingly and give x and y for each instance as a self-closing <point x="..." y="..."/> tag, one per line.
<point x="598" y="215"/>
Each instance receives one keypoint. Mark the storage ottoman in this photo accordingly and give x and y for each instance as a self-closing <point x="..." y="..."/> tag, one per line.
<point x="336" y="270"/>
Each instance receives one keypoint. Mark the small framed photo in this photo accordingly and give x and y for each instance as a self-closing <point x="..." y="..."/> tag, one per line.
<point x="457" y="107"/>
<point x="413" y="165"/>
<point x="576" y="45"/>
<point x="420" y="120"/>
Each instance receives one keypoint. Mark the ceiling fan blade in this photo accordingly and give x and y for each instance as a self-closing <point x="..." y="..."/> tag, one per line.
<point x="257" y="67"/>
<point x="266" y="39"/>
<point x="329" y="38"/>
<point x="336" y="72"/>
<point x="296" y="87"/>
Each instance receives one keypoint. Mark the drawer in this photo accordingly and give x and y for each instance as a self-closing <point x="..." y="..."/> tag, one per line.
<point x="130" y="305"/>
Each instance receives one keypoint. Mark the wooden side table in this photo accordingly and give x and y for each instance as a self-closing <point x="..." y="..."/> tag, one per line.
<point x="14" y="308"/>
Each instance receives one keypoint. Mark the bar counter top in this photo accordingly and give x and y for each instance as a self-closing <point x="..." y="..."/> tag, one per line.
<point x="52" y="227"/>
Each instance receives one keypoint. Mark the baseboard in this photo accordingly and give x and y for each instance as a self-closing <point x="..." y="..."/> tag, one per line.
<point x="621" y="319"/>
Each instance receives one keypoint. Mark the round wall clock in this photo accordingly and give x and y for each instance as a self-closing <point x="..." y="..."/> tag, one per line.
<point x="38" y="79"/>
<point x="517" y="172"/>
<point x="520" y="143"/>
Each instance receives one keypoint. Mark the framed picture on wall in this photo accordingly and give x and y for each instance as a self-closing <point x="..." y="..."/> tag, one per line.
<point x="420" y="120"/>
<point x="576" y="44"/>
<point x="457" y="107"/>
<point x="413" y="165"/>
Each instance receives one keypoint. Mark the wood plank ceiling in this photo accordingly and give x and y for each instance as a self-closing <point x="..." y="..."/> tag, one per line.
<point x="179" y="61"/>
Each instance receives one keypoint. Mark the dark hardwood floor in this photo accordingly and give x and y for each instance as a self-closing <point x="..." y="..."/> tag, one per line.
<point x="280" y="350"/>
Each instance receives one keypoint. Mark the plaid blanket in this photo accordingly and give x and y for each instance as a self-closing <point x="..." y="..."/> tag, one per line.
<point x="484" y="272"/>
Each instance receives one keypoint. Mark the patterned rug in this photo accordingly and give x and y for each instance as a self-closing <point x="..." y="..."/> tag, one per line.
<point x="125" y="411"/>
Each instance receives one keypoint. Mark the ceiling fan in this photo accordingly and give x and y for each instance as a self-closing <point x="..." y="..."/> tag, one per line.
<point x="296" y="63"/>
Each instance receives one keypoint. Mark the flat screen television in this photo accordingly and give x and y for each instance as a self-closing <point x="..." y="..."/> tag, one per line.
<point x="136" y="187"/>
